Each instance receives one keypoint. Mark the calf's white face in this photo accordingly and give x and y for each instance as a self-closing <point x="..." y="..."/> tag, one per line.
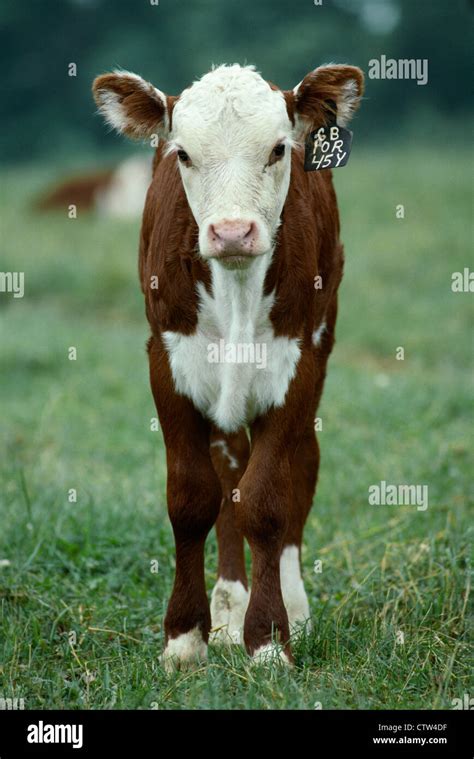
<point x="232" y="136"/>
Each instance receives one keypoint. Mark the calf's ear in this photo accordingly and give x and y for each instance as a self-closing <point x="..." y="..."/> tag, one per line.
<point x="315" y="95"/>
<point x="132" y="106"/>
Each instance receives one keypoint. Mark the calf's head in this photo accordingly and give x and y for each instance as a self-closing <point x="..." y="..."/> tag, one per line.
<point x="232" y="134"/>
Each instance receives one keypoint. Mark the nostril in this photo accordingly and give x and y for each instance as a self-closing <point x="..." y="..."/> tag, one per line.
<point x="250" y="231"/>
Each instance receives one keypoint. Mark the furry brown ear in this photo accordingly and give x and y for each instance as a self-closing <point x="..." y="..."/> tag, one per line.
<point x="343" y="85"/>
<point x="131" y="105"/>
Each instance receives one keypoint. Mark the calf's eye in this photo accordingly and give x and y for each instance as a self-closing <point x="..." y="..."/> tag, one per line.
<point x="183" y="157"/>
<point x="277" y="153"/>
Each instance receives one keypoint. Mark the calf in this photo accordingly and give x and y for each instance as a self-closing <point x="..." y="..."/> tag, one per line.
<point x="118" y="192"/>
<point x="239" y="257"/>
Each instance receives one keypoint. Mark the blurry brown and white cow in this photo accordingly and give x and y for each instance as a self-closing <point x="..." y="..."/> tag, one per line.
<point x="235" y="232"/>
<point x="116" y="192"/>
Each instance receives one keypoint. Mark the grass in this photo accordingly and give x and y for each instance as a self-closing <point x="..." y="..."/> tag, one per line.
<point x="81" y="610"/>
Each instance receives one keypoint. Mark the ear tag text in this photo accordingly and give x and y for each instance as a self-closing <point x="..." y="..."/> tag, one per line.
<point x="327" y="147"/>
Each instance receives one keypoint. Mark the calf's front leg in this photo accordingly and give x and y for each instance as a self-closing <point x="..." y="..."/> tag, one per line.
<point x="262" y="513"/>
<point x="194" y="496"/>
<point x="265" y="510"/>
<point x="193" y="504"/>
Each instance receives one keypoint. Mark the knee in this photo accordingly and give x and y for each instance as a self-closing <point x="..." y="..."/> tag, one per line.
<point x="262" y="513"/>
<point x="194" y="496"/>
<point x="306" y="460"/>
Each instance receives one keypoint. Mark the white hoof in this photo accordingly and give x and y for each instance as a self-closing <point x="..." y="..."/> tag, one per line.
<point x="229" y="603"/>
<point x="271" y="653"/>
<point x="187" y="650"/>
<point x="292" y="588"/>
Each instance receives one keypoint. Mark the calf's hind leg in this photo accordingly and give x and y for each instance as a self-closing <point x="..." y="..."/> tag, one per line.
<point x="230" y="595"/>
<point x="304" y="473"/>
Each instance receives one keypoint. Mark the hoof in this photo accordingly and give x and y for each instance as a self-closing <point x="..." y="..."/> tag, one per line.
<point x="228" y="606"/>
<point x="271" y="653"/>
<point x="186" y="651"/>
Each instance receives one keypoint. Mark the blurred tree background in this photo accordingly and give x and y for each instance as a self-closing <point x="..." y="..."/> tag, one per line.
<point x="48" y="114"/>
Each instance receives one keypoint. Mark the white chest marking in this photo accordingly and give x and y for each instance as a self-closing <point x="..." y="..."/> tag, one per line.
<point x="233" y="386"/>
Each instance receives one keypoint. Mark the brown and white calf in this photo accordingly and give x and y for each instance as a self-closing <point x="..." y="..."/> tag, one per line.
<point x="117" y="193"/>
<point x="234" y="236"/>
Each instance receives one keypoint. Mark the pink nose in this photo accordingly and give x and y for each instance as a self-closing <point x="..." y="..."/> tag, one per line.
<point x="231" y="236"/>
